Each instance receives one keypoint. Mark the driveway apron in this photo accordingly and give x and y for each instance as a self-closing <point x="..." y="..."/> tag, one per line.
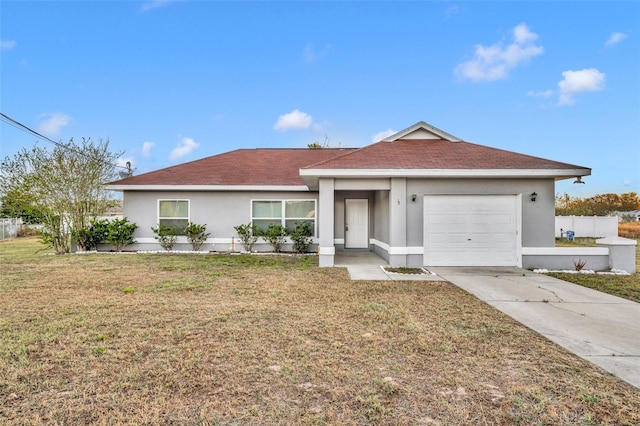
<point x="596" y="326"/>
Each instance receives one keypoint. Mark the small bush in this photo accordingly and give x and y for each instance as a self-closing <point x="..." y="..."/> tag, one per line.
<point x="120" y="233"/>
<point x="196" y="235"/>
<point x="166" y="236"/>
<point x="89" y="237"/>
<point x="275" y="235"/>
<point x="248" y="235"/>
<point x="301" y="236"/>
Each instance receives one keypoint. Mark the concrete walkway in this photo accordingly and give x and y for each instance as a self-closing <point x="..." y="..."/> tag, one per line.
<point x="369" y="267"/>
<point x="596" y="326"/>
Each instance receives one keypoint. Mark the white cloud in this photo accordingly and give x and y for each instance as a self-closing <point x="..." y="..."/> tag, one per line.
<point x="146" y="148"/>
<point x="295" y="119"/>
<point x="185" y="146"/>
<point x="451" y="10"/>
<point x="494" y="62"/>
<point x="574" y="82"/>
<point x="544" y="94"/>
<point x="383" y="134"/>
<point x="308" y="54"/>
<point x="52" y="123"/>
<point x="7" y="44"/>
<point x="615" y="38"/>
<point x="311" y="54"/>
<point x="154" y="4"/>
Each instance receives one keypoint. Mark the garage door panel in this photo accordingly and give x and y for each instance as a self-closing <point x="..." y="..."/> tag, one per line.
<point x="470" y="230"/>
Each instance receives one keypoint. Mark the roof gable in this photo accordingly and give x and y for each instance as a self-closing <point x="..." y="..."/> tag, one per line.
<point x="421" y="131"/>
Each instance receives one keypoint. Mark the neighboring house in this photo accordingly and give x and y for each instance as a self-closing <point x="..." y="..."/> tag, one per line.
<point x="630" y="216"/>
<point x="421" y="197"/>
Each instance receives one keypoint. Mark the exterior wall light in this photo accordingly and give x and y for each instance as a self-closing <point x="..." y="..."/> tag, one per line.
<point x="533" y="197"/>
<point x="413" y="197"/>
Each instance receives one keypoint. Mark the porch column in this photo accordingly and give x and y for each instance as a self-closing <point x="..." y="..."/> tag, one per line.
<point x="326" y="249"/>
<point x="398" y="223"/>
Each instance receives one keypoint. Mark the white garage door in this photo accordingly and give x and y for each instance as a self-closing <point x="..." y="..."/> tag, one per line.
<point x="470" y="230"/>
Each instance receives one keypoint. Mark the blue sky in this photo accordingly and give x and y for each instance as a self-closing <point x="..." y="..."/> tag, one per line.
<point x="174" y="81"/>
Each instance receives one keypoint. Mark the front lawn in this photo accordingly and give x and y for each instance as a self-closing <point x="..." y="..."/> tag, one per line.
<point x="213" y="339"/>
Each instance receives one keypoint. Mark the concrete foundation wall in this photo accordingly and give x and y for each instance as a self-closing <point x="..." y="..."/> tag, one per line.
<point x="612" y="253"/>
<point x="596" y="262"/>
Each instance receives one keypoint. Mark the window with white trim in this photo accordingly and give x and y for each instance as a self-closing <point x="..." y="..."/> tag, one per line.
<point x="282" y="212"/>
<point x="174" y="214"/>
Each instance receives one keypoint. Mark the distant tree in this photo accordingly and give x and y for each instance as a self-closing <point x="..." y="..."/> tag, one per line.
<point x="18" y="204"/>
<point x="318" y="145"/>
<point x="65" y="185"/>
<point x="598" y="205"/>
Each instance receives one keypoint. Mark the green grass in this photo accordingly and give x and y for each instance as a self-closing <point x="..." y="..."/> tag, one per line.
<point x="215" y="339"/>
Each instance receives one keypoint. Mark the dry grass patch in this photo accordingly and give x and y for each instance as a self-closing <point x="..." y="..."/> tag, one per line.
<point x="264" y="340"/>
<point x="629" y="230"/>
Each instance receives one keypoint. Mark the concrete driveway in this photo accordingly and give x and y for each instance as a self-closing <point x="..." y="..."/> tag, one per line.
<point x="598" y="327"/>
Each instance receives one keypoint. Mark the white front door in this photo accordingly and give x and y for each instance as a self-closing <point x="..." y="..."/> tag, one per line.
<point x="356" y="223"/>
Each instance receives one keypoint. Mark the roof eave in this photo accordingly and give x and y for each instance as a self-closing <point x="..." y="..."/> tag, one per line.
<point x="243" y="188"/>
<point x="445" y="173"/>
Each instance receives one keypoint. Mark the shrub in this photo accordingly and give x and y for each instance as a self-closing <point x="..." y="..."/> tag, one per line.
<point x="248" y="235"/>
<point x="196" y="235"/>
<point x="275" y="235"/>
<point x="166" y="236"/>
<point x="90" y="236"/>
<point x="120" y="233"/>
<point x="301" y="235"/>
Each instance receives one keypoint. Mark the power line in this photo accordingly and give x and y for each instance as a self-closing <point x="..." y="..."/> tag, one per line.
<point x="20" y="126"/>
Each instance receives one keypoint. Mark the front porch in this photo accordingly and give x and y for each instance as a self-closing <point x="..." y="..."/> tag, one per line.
<point x="364" y="215"/>
<point x="365" y="258"/>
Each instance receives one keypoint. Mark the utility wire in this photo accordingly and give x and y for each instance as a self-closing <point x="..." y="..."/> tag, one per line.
<point x="20" y="126"/>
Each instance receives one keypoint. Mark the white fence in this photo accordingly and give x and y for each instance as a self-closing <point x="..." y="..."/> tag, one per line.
<point x="587" y="226"/>
<point x="9" y="227"/>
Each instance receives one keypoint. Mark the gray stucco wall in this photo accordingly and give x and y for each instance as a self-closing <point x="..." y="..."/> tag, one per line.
<point x="538" y="218"/>
<point x="381" y="226"/>
<point x="220" y="211"/>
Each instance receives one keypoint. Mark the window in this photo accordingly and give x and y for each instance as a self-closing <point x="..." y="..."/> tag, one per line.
<point x="282" y="212"/>
<point x="174" y="214"/>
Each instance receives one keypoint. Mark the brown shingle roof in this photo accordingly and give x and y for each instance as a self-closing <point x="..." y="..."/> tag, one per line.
<point x="436" y="154"/>
<point x="240" y="167"/>
<point x="268" y="167"/>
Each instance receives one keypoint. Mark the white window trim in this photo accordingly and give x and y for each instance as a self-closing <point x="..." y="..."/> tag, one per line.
<point x="158" y="217"/>
<point x="283" y="217"/>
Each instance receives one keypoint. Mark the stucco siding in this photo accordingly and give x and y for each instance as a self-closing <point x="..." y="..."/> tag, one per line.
<point x="220" y="211"/>
<point x="538" y="219"/>
<point x="381" y="208"/>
